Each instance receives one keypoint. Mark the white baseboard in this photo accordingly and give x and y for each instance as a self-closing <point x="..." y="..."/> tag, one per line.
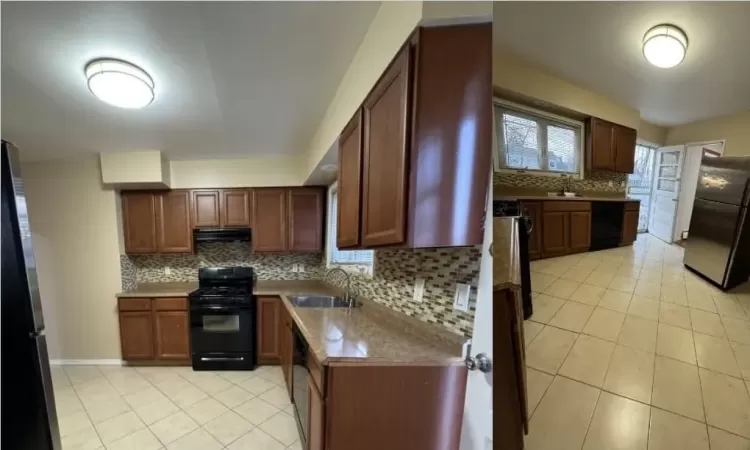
<point x="85" y="362"/>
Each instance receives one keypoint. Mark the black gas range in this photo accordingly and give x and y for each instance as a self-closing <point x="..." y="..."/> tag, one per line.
<point x="222" y="319"/>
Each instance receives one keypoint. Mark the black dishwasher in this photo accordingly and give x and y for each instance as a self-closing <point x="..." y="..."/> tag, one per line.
<point x="606" y="224"/>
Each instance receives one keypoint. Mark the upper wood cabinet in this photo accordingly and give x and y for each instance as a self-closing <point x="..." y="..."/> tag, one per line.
<point x="214" y="208"/>
<point x="269" y="229"/>
<point x="425" y="174"/>
<point x="349" y="184"/>
<point x="173" y="222"/>
<point x="610" y="146"/>
<point x="305" y="219"/>
<point x="139" y="222"/>
<point x="206" y="206"/>
<point x="235" y="208"/>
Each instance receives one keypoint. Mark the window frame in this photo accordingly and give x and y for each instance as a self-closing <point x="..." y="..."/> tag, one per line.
<point x="545" y="118"/>
<point x="331" y="249"/>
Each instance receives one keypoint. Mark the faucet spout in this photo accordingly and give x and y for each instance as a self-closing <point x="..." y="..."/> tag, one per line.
<point x="348" y="296"/>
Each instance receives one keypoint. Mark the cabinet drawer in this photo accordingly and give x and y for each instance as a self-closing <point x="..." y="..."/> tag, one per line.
<point x="317" y="372"/>
<point x="170" y="304"/>
<point x="134" y="304"/>
<point x="632" y="206"/>
<point x="567" y="205"/>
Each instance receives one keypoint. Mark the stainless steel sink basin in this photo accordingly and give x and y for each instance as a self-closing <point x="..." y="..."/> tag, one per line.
<point x="318" y="301"/>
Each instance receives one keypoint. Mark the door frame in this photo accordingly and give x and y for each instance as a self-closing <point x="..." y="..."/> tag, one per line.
<point x="655" y="182"/>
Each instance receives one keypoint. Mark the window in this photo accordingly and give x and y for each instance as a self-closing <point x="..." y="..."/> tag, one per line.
<point x="536" y="141"/>
<point x="357" y="258"/>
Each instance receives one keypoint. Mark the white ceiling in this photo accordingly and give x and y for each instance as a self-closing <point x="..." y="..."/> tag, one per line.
<point x="232" y="79"/>
<point x="598" y="45"/>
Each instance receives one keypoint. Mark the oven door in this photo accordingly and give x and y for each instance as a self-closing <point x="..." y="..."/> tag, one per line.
<point x="300" y="394"/>
<point x="221" y="335"/>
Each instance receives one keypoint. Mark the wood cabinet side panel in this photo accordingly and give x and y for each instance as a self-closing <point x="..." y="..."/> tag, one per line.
<point x="268" y="322"/>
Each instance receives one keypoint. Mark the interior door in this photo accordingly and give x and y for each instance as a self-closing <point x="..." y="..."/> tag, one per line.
<point x="666" y="191"/>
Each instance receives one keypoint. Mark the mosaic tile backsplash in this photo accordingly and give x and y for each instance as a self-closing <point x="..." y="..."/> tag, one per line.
<point x="597" y="180"/>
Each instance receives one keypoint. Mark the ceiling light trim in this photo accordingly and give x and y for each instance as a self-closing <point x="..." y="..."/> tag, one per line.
<point x="101" y="83"/>
<point x="659" y="47"/>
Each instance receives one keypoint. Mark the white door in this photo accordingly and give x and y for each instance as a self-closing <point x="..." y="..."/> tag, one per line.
<point x="666" y="191"/>
<point x="476" y="432"/>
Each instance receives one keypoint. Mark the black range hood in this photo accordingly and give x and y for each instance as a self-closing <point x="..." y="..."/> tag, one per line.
<point x="221" y="234"/>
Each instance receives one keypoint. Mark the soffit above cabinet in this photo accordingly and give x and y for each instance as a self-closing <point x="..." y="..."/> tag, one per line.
<point x="136" y="170"/>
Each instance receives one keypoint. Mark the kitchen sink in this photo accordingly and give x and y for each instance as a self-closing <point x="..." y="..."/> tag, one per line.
<point x="318" y="301"/>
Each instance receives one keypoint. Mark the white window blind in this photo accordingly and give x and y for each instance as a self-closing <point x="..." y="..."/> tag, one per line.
<point x="532" y="140"/>
<point x="362" y="257"/>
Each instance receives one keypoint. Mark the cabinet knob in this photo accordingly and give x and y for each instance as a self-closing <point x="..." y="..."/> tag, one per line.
<point x="481" y="362"/>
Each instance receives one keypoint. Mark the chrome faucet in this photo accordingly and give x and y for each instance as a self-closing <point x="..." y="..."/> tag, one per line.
<point x="348" y="296"/>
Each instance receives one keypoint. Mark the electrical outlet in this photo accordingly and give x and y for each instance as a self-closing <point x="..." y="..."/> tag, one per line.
<point x="301" y="267"/>
<point x="418" y="290"/>
<point x="167" y="271"/>
<point x="461" y="298"/>
<point x="295" y="268"/>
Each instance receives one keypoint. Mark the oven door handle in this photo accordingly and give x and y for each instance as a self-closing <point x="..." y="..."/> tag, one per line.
<point x="219" y="308"/>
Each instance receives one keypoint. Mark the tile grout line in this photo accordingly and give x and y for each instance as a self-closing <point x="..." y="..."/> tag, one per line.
<point x="86" y="411"/>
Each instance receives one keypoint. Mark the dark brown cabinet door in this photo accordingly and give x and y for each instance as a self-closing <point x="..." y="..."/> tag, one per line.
<point x="625" y="149"/>
<point x="316" y="417"/>
<point x="349" y="184"/>
<point x="268" y="317"/>
<point x="385" y="155"/>
<point x="534" y="211"/>
<point x="602" y="146"/>
<point x="174" y="232"/>
<point x="287" y="347"/>
<point x="206" y="206"/>
<point x="136" y="335"/>
<point x="270" y="232"/>
<point x="555" y="232"/>
<point x="139" y="222"/>
<point x="235" y="208"/>
<point x="305" y="219"/>
<point x="580" y="231"/>
<point x="172" y="332"/>
<point x="630" y="227"/>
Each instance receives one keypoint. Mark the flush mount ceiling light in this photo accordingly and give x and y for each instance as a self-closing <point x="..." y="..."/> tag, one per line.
<point x="119" y="83"/>
<point x="665" y="45"/>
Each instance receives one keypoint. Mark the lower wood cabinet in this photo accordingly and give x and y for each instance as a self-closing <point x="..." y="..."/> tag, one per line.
<point x="555" y="233"/>
<point x="580" y="231"/>
<point x="269" y="330"/>
<point x="533" y="212"/>
<point x="317" y="417"/>
<point x="154" y="329"/>
<point x="630" y="223"/>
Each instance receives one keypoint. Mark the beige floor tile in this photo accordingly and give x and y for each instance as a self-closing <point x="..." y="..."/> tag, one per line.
<point x="233" y="397"/>
<point x="257" y="385"/>
<point x="282" y="428"/>
<point x="82" y="374"/>
<point x="675" y="343"/>
<point x="742" y="354"/>
<point x="672" y="280"/>
<point x="716" y="354"/>
<point x="278" y="397"/>
<point x="675" y="315"/>
<point x="700" y="299"/>
<point x="575" y="273"/>
<point x="615" y="300"/>
<point x="117" y="427"/>
<point x="644" y="308"/>
<point x="737" y="330"/>
<point x="674" y="294"/>
<point x="555" y="268"/>
<point x="74" y="423"/>
<point x="721" y="440"/>
<point x="143" y="397"/>
<point x="562" y="288"/>
<point x="187" y="396"/>
<point x="677" y="388"/>
<point x="228" y="427"/>
<point x="600" y="278"/>
<point x="622" y="283"/>
<point x="530" y="330"/>
<point x="727" y="402"/>
<point x="706" y="323"/>
<point x="256" y="439"/>
<point x="536" y="385"/>
<point x="67" y="402"/>
<point x="101" y="411"/>
<point x="629" y="271"/>
<point x="671" y="432"/>
<point x="647" y="289"/>
<point x="212" y="384"/>
<point x="549" y="349"/>
<point x="618" y="423"/>
<point x="276" y="376"/>
<point x="545" y="307"/>
<point x="631" y="373"/>
<point x="651" y="276"/>
<point x="638" y="333"/>
<point x="85" y="439"/>
<point x="562" y="418"/>
<point x="605" y="324"/>
<point x="295" y="446"/>
<point x="588" y="360"/>
<point x="572" y="316"/>
<point x="198" y="439"/>
<point x="256" y="411"/>
<point x="729" y="306"/>
<point x="588" y="294"/>
<point x="156" y="411"/>
<point x="238" y="376"/>
<point x="539" y="282"/>
<point x="206" y="410"/>
<point x="142" y="439"/>
<point x="173" y="427"/>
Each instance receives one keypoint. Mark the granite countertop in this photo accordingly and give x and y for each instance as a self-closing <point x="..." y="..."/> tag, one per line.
<point x="506" y="254"/>
<point x="370" y="333"/>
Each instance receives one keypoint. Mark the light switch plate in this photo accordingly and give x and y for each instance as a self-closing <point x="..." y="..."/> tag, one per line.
<point x="301" y="267"/>
<point x="295" y="268"/>
<point x="461" y="298"/>
<point x="418" y="290"/>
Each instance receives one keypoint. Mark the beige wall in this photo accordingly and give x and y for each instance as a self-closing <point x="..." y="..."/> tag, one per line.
<point x="74" y="230"/>
<point x="652" y="134"/>
<point x="135" y="167"/>
<point x="734" y="128"/>
<point x="242" y="172"/>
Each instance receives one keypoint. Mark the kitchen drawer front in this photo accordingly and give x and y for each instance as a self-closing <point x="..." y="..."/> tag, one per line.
<point x="567" y="205"/>
<point x="632" y="206"/>
<point x="134" y="304"/>
<point x="317" y="372"/>
<point x="170" y="304"/>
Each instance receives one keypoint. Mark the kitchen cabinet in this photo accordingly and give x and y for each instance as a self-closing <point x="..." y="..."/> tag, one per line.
<point x="206" y="205"/>
<point x="235" y="208"/>
<point x="305" y="219"/>
<point x="439" y="80"/>
<point x="316" y="417"/>
<point x="610" y="146"/>
<point x="349" y="184"/>
<point x="533" y="210"/>
<point x="217" y="208"/>
<point x="580" y="231"/>
<point x="270" y="232"/>
<point x="154" y="329"/>
<point x="630" y="223"/>
<point x="556" y="231"/>
<point x="268" y="330"/>
<point x="566" y="227"/>
<point x="286" y="339"/>
<point x="173" y="222"/>
<point x="139" y="222"/>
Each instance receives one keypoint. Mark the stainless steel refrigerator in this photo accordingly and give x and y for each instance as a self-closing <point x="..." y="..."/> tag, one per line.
<point x="718" y="243"/>
<point x="29" y="419"/>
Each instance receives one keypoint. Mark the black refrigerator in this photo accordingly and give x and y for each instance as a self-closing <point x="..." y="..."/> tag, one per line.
<point x="29" y="419"/>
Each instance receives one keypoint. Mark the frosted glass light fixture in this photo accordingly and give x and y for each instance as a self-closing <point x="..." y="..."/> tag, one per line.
<point x="665" y="45"/>
<point x="120" y="83"/>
